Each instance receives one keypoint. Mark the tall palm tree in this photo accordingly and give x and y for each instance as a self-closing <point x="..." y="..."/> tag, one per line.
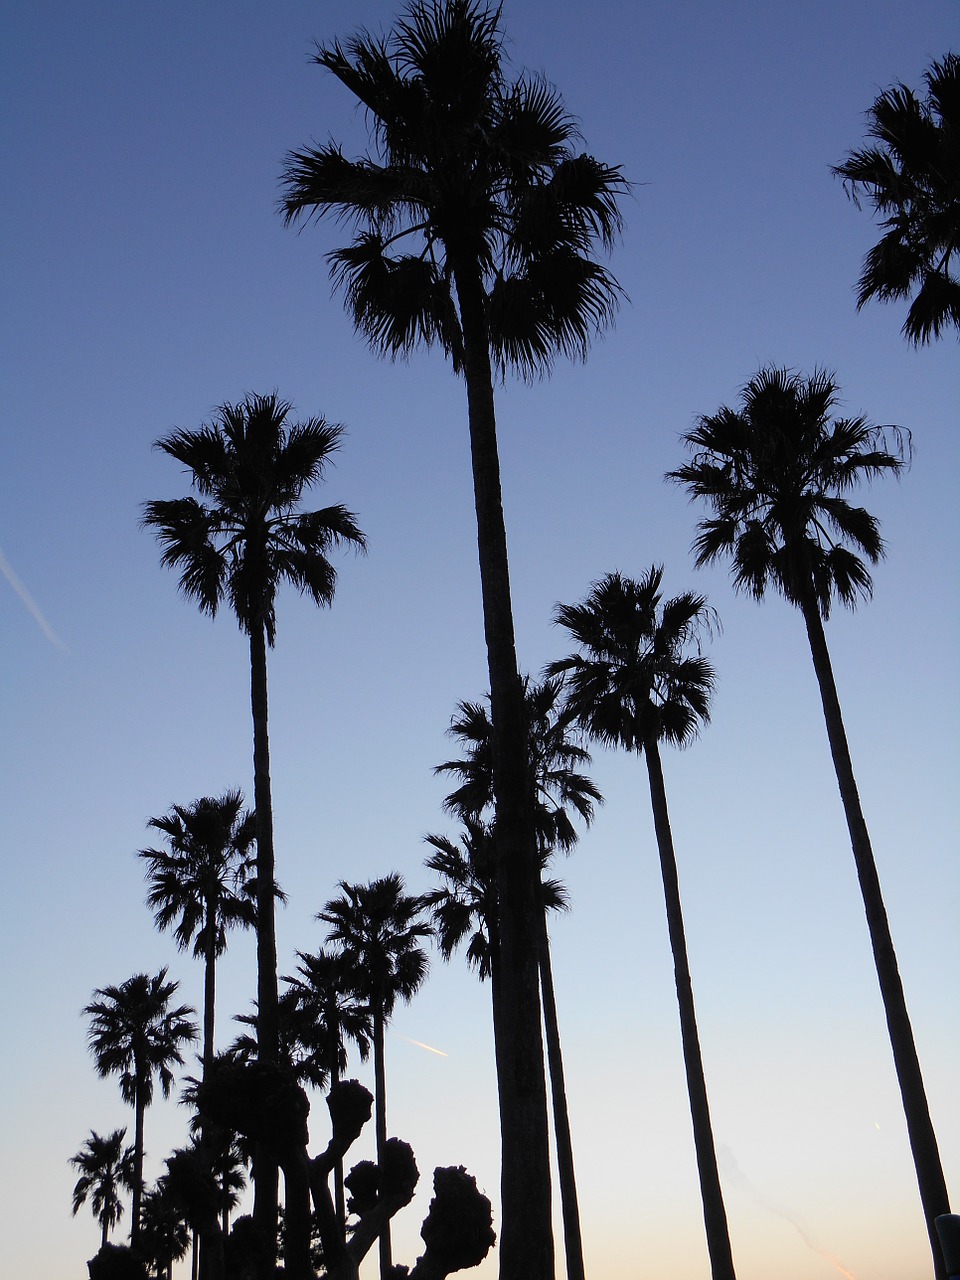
<point x="912" y="178"/>
<point x="136" y="1034"/>
<point x="253" y="468"/>
<point x="106" y="1168"/>
<point x="634" y="686"/>
<point x="475" y="221"/>
<point x="201" y="885"/>
<point x="326" y="1014"/>
<point x="378" y="929"/>
<point x="775" y="473"/>
<point x="557" y="785"/>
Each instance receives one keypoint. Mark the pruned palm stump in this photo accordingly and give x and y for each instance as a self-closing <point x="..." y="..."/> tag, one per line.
<point x="266" y="1105"/>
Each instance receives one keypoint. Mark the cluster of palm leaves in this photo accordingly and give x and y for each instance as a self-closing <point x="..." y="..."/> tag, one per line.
<point x="476" y="222"/>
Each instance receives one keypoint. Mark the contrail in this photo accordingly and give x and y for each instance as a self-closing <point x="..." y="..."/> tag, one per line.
<point x="7" y="570"/>
<point x="420" y="1045"/>
<point x="733" y="1173"/>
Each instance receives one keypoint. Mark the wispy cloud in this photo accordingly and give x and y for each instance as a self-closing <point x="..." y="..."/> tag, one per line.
<point x="7" y="570"/>
<point x="735" y="1176"/>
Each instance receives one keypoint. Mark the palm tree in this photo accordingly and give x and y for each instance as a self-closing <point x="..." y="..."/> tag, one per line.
<point x="135" y="1033"/>
<point x="201" y="886"/>
<point x="633" y="686"/>
<point x="912" y="178"/>
<point x="775" y="473"/>
<point x="475" y="220"/>
<point x="326" y="1014"/>
<point x="557" y="785"/>
<point x="106" y="1167"/>
<point x="378" y="929"/>
<point x="164" y="1234"/>
<point x="254" y="469"/>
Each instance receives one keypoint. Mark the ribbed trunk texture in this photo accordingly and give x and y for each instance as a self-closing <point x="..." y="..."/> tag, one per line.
<point x="714" y="1212"/>
<point x="569" y="1204"/>
<point x="526" y="1238"/>
<point x="923" y="1140"/>
<point x="265" y="1168"/>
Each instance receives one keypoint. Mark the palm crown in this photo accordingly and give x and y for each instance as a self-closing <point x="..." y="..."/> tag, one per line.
<point x="378" y="928"/>
<point x="106" y="1167"/>
<point x="253" y="468"/>
<point x="134" y="1033"/>
<point x="326" y="1014"/>
<point x="208" y="865"/>
<point x="470" y="168"/>
<point x="775" y="472"/>
<point x="912" y="178"/>
<point x="634" y="681"/>
<point x="553" y="764"/>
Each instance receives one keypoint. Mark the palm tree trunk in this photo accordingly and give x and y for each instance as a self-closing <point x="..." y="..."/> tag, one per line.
<point x="209" y="987"/>
<point x="570" y="1208"/>
<point x="923" y="1140"/>
<point x="339" y="1196"/>
<point x="103" y="1231"/>
<point x="266" y="1174"/>
<point x="526" y="1239"/>
<point x="380" y="1095"/>
<point x="714" y="1213"/>
<point x="139" y="1108"/>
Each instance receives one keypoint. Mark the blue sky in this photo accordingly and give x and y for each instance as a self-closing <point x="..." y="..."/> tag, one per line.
<point x="147" y="278"/>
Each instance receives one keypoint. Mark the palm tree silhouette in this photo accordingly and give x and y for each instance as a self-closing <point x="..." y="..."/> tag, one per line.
<point x="557" y="786"/>
<point x="326" y="1014"/>
<point x="135" y="1033"/>
<point x="633" y="686"/>
<point x="201" y="885"/>
<point x="106" y="1168"/>
<point x="254" y="468"/>
<point x="910" y="176"/>
<point x="378" y="929"/>
<point x="164" y="1234"/>
<point x="474" y="222"/>
<point x="775" y="472"/>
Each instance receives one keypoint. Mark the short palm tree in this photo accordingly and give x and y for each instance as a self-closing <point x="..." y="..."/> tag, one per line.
<point x="378" y="929"/>
<point x="106" y="1168"/>
<point x="776" y="472"/>
<point x="911" y="176"/>
<point x="475" y="220"/>
<point x="558" y="786"/>
<point x="326" y="1014"/>
<point x="201" y="885"/>
<point x="164" y="1234"/>
<point x="633" y="685"/>
<point x="136" y="1034"/>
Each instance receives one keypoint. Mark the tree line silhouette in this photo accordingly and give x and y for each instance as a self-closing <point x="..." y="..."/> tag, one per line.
<point x="476" y="222"/>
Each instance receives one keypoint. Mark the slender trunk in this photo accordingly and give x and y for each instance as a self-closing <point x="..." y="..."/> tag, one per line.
<point x="526" y="1239"/>
<point x="380" y="1096"/>
<point x="340" y="1200"/>
<point x="209" y="984"/>
<point x="714" y="1213"/>
<point x="103" y="1231"/>
<point x="138" y="1110"/>
<point x="923" y="1140"/>
<point x="266" y="1194"/>
<point x="570" y="1208"/>
<point x="195" y="1255"/>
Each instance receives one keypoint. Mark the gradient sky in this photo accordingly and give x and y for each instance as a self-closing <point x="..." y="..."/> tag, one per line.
<point x="147" y="278"/>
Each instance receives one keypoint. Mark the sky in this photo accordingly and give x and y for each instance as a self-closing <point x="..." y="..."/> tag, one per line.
<point x="147" y="278"/>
